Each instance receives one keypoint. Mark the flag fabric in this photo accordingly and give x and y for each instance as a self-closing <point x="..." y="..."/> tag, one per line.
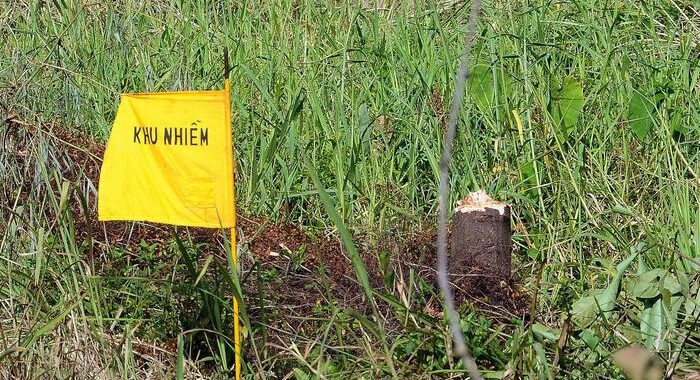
<point x="169" y="160"/>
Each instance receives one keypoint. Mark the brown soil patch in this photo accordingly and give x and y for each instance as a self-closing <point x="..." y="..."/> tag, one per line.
<point x="500" y="300"/>
<point x="289" y="274"/>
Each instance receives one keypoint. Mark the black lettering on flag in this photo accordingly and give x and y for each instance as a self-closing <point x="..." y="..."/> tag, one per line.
<point x="167" y="136"/>
<point x="184" y="136"/>
<point x="178" y="136"/>
<point x="154" y="139"/>
<point x="193" y="136"/>
<point x="146" y="135"/>
<point x="204" y="136"/>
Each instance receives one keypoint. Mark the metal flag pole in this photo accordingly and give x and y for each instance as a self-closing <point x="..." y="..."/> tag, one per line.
<point x="234" y="253"/>
<point x="236" y="322"/>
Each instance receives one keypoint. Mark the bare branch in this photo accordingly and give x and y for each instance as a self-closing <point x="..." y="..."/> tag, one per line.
<point x="460" y="347"/>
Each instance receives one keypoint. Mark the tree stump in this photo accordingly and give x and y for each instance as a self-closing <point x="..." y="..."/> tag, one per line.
<point x="481" y="239"/>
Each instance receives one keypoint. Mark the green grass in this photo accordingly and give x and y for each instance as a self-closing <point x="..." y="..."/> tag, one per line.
<point x="585" y="116"/>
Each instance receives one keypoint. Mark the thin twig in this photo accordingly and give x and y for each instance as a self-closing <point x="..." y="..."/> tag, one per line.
<point x="460" y="347"/>
<point x="674" y="360"/>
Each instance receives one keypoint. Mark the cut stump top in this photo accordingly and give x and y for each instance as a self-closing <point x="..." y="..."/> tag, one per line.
<point x="480" y="201"/>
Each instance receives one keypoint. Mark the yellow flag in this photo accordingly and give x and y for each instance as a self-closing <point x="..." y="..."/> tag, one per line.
<point x="169" y="160"/>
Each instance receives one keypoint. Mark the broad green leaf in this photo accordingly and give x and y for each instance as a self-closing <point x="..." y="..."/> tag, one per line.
<point x="672" y="305"/>
<point x="544" y="371"/>
<point x="529" y="178"/>
<point x="606" y="300"/>
<point x="672" y="284"/>
<point x="652" y="323"/>
<point x="365" y="124"/>
<point x="641" y="265"/>
<point x="363" y="115"/>
<point x="590" y="338"/>
<point x="567" y="104"/>
<point x="585" y="310"/>
<point x="640" y="115"/>
<point x="677" y="124"/>
<point x="545" y="332"/>
<point x="481" y="86"/>
<point x="620" y="209"/>
<point x="648" y="284"/>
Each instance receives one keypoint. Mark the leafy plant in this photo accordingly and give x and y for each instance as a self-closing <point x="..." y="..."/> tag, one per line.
<point x="566" y="104"/>
<point x="663" y="295"/>
<point x="640" y="114"/>
<point x="482" y="86"/>
<point x="602" y="303"/>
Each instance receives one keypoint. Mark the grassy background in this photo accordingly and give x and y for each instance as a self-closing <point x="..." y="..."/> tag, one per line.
<point x="583" y="115"/>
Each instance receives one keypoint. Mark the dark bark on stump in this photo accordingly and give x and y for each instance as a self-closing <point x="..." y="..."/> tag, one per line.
<point x="481" y="241"/>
